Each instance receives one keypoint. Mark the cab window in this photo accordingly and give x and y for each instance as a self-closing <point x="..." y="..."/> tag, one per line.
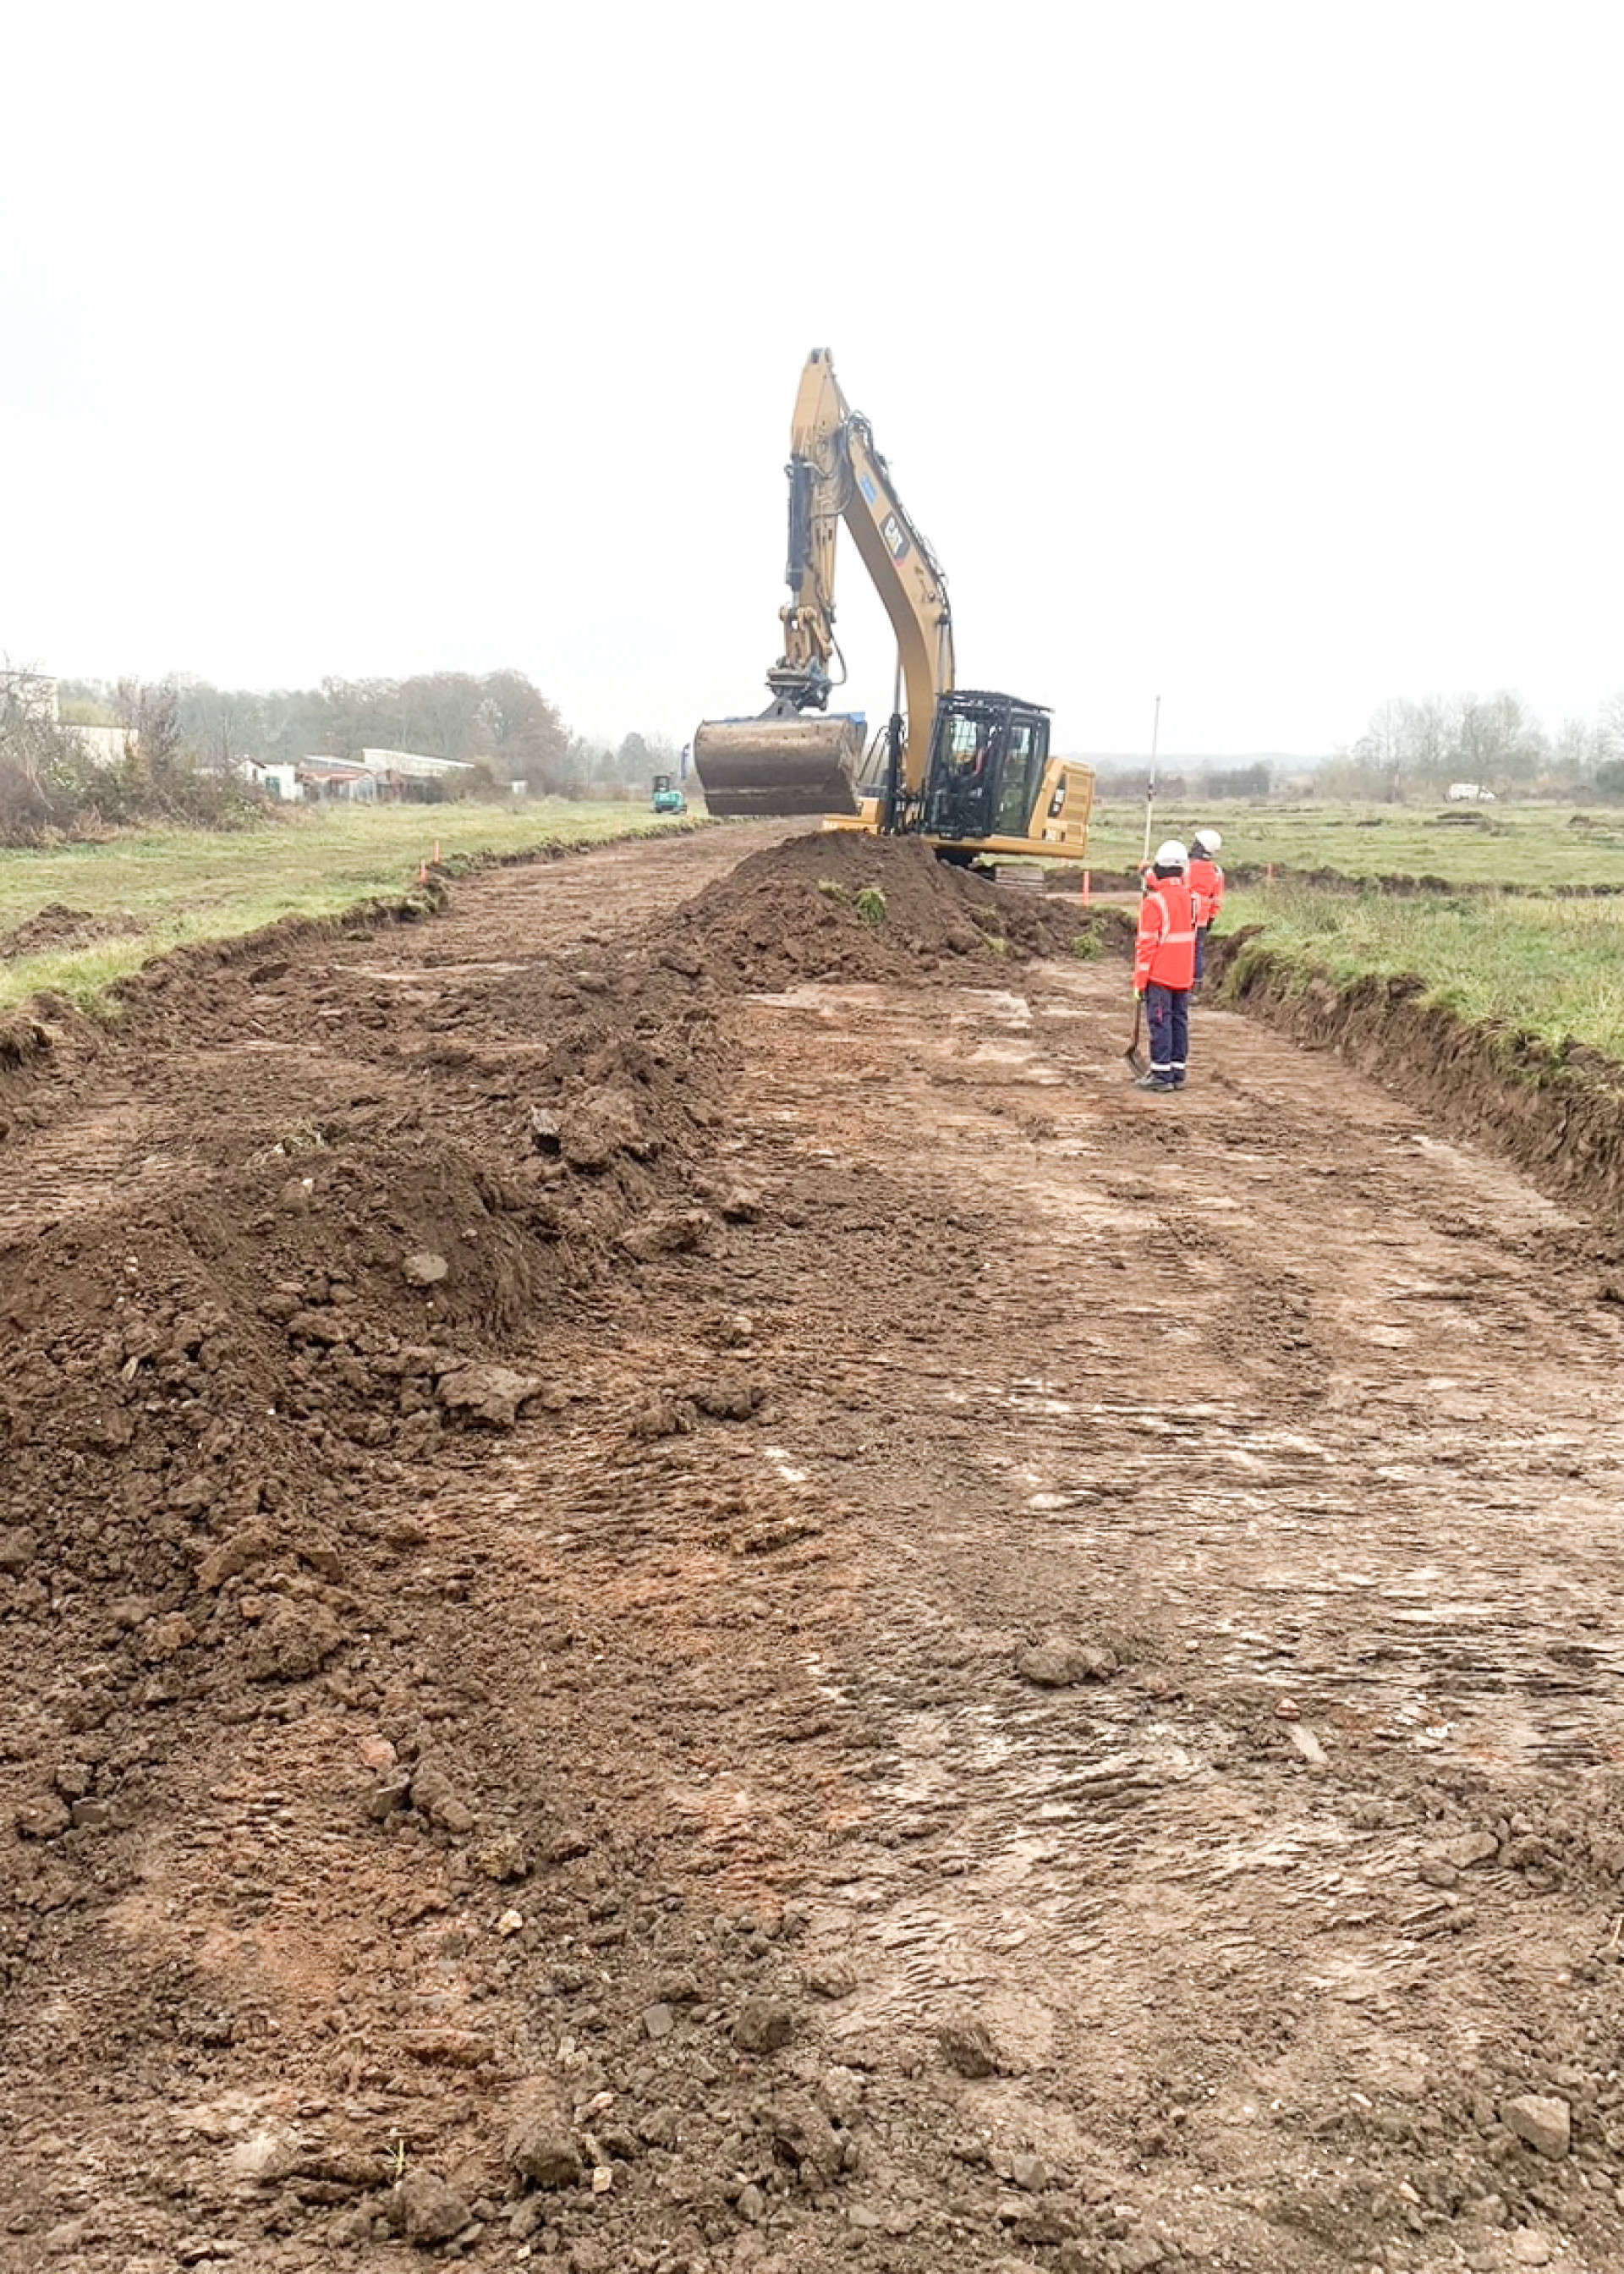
<point x="1020" y="785"/>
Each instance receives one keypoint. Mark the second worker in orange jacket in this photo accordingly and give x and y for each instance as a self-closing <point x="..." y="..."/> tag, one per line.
<point x="1164" y="966"/>
<point x="1206" y="884"/>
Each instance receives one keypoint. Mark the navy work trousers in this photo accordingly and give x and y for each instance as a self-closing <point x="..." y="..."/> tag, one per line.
<point x="1201" y="951"/>
<point x="1167" y="1011"/>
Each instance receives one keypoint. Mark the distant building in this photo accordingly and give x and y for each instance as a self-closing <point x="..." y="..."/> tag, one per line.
<point x="1469" y="794"/>
<point x="277" y="781"/>
<point x="411" y="766"/>
<point x="318" y="778"/>
<point x="103" y="746"/>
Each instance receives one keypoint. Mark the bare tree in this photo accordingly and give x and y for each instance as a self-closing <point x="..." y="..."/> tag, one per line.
<point x="149" y="713"/>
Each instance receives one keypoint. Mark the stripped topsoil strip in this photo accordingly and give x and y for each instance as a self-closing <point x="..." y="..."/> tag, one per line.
<point x="221" y="1388"/>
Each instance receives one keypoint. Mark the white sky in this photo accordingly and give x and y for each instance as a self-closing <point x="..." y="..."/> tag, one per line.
<point x="1266" y="356"/>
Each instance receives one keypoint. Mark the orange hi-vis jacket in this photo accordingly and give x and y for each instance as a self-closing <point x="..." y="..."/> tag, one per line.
<point x="1206" y="884"/>
<point x="1165" y="956"/>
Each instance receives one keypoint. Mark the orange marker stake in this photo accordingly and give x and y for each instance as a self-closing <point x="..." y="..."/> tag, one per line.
<point x="423" y="872"/>
<point x="1085" y="888"/>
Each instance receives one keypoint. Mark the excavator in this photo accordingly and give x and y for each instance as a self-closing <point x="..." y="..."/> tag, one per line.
<point x="968" y="771"/>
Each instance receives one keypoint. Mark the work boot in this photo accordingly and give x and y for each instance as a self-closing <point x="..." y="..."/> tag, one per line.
<point x="1152" y="1081"/>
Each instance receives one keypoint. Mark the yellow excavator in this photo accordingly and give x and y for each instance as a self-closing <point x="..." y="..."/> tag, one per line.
<point x="970" y="771"/>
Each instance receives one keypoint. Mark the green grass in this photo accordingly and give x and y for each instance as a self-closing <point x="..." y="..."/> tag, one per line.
<point x="185" y="885"/>
<point x="1554" y="968"/>
<point x="1531" y="845"/>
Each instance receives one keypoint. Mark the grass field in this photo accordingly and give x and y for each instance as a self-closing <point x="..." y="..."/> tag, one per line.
<point x="1551" y="968"/>
<point x="1534" y="845"/>
<point x="1530" y="961"/>
<point x="187" y="884"/>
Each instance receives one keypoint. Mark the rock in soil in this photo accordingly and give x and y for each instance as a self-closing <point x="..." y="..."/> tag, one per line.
<point x="43" y="1818"/>
<point x="831" y="1977"/>
<point x="541" y="2150"/>
<point x="968" y="2046"/>
<point x="434" y="1793"/>
<point x="762" y="2026"/>
<point x="18" y="1547"/>
<point x="1058" y="1665"/>
<point x="426" y="2211"/>
<point x="293" y="1642"/>
<point x="1540" y="2120"/>
<point x="492" y="1393"/>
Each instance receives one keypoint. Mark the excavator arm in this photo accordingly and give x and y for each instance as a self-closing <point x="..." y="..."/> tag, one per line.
<point x="836" y="474"/>
<point x="787" y="761"/>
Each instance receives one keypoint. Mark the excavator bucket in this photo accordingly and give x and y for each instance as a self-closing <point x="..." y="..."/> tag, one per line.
<point x="783" y="762"/>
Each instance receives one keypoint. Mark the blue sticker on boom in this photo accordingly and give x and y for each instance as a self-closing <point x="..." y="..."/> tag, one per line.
<point x="868" y="488"/>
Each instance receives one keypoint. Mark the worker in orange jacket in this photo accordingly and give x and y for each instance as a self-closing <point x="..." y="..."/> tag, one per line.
<point x="1206" y="884"/>
<point x="1164" y="966"/>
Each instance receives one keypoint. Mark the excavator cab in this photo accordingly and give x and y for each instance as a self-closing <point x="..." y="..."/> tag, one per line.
<point x="987" y="756"/>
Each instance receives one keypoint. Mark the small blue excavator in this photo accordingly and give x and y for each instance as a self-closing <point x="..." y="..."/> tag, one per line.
<point x="667" y="797"/>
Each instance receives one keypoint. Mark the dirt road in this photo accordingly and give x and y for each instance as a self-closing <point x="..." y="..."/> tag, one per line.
<point x="1035" y="1683"/>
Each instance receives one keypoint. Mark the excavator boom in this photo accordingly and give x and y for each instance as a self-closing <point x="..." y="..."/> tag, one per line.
<point x="786" y="761"/>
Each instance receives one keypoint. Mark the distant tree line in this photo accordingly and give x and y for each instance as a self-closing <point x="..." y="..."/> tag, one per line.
<point x="183" y="741"/>
<point x="499" y="721"/>
<point x="1418" y="747"/>
<point x="1255" y="780"/>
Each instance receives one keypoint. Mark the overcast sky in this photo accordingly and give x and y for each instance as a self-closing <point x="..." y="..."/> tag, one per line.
<point x="1263" y="355"/>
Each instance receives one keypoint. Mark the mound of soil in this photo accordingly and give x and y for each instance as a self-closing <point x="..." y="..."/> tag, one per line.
<point x="841" y="906"/>
<point x="58" y="928"/>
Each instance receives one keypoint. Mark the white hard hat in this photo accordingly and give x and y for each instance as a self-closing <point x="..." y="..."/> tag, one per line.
<point x="1172" y="855"/>
<point x="1207" y="841"/>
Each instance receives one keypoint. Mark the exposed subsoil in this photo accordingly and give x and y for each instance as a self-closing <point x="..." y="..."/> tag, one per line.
<point x="679" y="1593"/>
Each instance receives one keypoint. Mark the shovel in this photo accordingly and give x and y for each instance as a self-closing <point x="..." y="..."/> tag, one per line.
<point x="1133" y="1054"/>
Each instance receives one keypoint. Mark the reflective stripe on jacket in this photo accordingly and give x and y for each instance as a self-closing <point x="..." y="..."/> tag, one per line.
<point x="1165" y="956"/>
<point x="1206" y="884"/>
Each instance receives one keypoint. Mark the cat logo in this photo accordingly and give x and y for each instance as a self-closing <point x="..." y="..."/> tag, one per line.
<point x="895" y="536"/>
